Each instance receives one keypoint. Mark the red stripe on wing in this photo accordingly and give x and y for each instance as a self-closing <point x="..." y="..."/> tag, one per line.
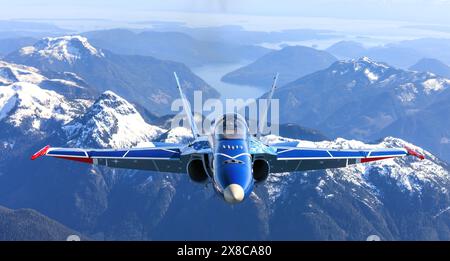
<point x="364" y="160"/>
<point x="84" y="160"/>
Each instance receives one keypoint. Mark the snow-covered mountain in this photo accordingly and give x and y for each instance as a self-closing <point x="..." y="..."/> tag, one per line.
<point x="66" y="83"/>
<point x="26" y="104"/>
<point x="11" y="73"/>
<point x="33" y="106"/>
<point x="111" y="122"/>
<point x="428" y="127"/>
<point x="141" y="79"/>
<point x="61" y="49"/>
<point x="357" y="98"/>
<point x="401" y="54"/>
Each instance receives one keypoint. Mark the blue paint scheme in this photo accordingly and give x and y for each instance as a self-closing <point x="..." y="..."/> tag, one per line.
<point x="200" y="145"/>
<point x="67" y="153"/>
<point x="153" y="153"/>
<point x="387" y="153"/>
<point x="348" y="153"/>
<point x="100" y="153"/>
<point x="166" y="145"/>
<point x="290" y="144"/>
<point x="227" y="172"/>
<point x="308" y="153"/>
<point x="303" y="153"/>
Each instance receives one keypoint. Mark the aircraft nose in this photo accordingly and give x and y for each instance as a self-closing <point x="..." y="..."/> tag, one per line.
<point x="234" y="193"/>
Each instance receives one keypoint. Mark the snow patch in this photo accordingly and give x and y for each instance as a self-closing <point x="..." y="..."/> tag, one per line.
<point x="8" y="101"/>
<point x="370" y="75"/>
<point x="11" y="73"/>
<point x="66" y="82"/>
<point x="65" y="48"/>
<point x="275" y="184"/>
<point x="320" y="186"/>
<point x="435" y="84"/>
<point x="27" y="50"/>
<point x="33" y="104"/>
<point x="178" y="135"/>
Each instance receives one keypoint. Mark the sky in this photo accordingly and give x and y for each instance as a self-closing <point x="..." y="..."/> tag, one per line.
<point x="416" y="11"/>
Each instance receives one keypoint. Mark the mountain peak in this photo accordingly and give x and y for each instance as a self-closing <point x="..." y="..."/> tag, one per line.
<point x="365" y="59"/>
<point x="346" y="49"/>
<point x="63" y="48"/>
<point x="431" y="65"/>
<point x="372" y="70"/>
<point x="110" y="95"/>
<point x="369" y="62"/>
<point x="110" y="122"/>
<point x="109" y="100"/>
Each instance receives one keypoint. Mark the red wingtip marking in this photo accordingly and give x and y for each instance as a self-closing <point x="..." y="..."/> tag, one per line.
<point x="414" y="153"/>
<point x="40" y="153"/>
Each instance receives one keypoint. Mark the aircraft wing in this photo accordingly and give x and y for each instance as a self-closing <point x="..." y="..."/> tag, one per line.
<point x="291" y="158"/>
<point x="162" y="157"/>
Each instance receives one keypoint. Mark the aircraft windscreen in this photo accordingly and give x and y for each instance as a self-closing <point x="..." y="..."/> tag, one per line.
<point x="231" y="126"/>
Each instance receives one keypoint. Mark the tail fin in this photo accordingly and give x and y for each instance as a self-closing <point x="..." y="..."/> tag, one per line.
<point x="262" y="123"/>
<point x="187" y="109"/>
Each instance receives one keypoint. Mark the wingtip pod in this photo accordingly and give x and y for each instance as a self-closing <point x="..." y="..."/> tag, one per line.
<point x="414" y="153"/>
<point x="40" y="153"/>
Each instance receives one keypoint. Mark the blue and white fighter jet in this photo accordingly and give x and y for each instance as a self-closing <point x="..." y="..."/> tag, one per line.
<point x="230" y="157"/>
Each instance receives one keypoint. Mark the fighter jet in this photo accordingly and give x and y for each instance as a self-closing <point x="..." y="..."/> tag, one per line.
<point x="229" y="157"/>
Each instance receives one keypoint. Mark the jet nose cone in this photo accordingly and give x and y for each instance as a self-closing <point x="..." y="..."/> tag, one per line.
<point x="234" y="193"/>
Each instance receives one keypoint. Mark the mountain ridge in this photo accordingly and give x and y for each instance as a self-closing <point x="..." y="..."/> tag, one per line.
<point x="291" y="62"/>
<point x="30" y="225"/>
<point x="175" y="46"/>
<point x="363" y="96"/>
<point x="431" y="65"/>
<point x="142" y="79"/>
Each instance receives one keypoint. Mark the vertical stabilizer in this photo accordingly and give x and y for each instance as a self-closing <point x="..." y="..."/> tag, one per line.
<point x="263" y="117"/>
<point x="187" y="109"/>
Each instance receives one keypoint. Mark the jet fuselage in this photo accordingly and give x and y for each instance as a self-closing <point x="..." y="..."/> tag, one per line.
<point x="232" y="162"/>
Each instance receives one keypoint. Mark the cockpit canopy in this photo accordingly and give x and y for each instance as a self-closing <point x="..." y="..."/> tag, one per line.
<point x="231" y="126"/>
